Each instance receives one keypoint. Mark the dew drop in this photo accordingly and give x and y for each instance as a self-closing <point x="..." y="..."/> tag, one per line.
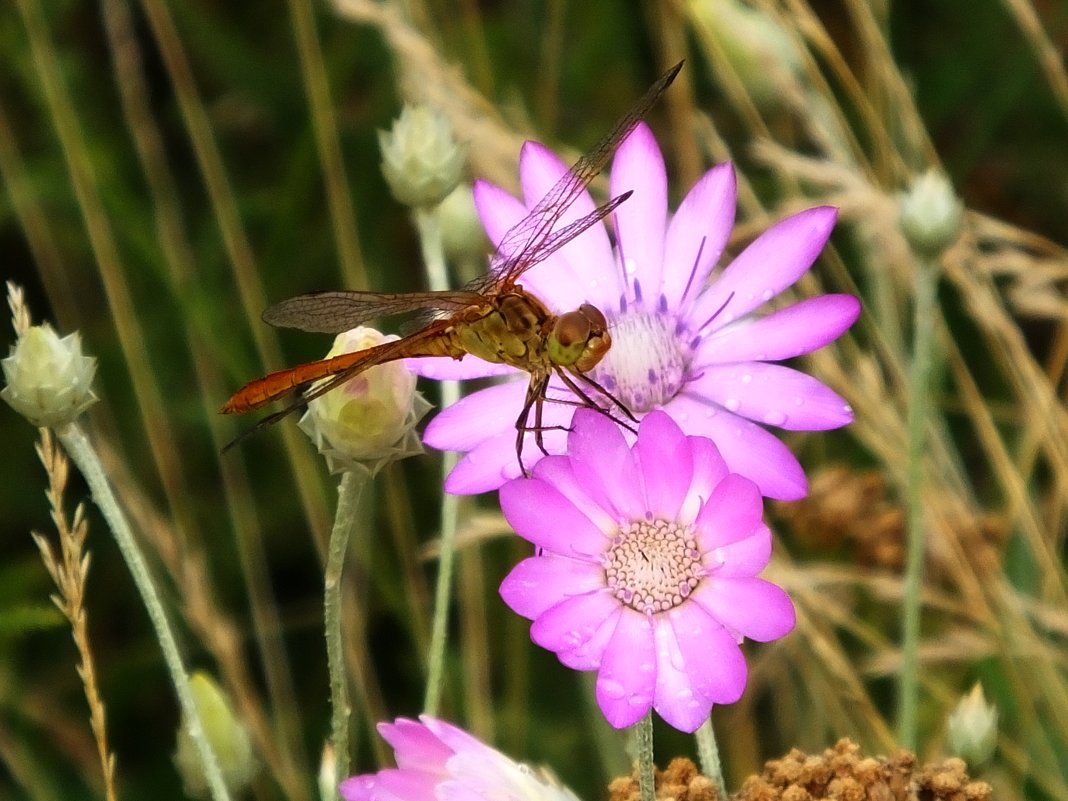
<point x="767" y="294"/>
<point x="684" y="694"/>
<point x="799" y="401"/>
<point x="775" y="418"/>
<point x="646" y="667"/>
<point x="732" y="404"/>
<point x="639" y="699"/>
<point x="847" y="409"/>
<point x="710" y="412"/>
<point x="611" y="688"/>
<point x="747" y="378"/>
<point x="630" y="266"/>
<point x="677" y="661"/>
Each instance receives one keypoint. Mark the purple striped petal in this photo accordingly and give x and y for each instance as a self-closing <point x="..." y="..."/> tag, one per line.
<point x="801" y="328"/>
<point x="773" y="262"/>
<point x="698" y="234"/>
<point x="642" y="219"/>
<point x="773" y="395"/>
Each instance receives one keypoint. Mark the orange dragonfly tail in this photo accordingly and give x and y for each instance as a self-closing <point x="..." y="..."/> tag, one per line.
<point x="274" y="385"/>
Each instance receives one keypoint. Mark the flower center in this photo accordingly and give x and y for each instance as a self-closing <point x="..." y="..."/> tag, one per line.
<point x="647" y="363"/>
<point x="653" y="566"/>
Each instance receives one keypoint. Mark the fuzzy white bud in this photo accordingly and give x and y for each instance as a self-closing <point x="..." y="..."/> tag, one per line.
<point x="226" y="734"/>
<point x="370" y="419"/>
<point x="49" y="380"/>
<point x="421" y="159"/>
<point x="931" y="214"/>
<point x="972" y="728"/>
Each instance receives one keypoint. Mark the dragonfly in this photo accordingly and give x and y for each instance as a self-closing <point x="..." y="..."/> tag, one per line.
<point x="494" y="318"/>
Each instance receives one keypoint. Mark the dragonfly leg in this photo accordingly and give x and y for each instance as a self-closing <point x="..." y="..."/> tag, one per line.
<point x="589" y="402"/>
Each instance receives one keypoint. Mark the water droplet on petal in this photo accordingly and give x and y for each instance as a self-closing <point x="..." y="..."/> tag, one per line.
<point x="732" y="404"/>
<point x="684" y="694"/>
<point x="647" y="667"/>
<point x="747" y="378"/>
<point x="767" y="294"/>
<point x="799" y="401"/>
<point x="611" y="688"/>
<point x="847" y="409"/>
<point x="775" y="418"/>
<point x="630" y="266"/>
<point x="639" y="699"/>
<point x="677" y="661"/>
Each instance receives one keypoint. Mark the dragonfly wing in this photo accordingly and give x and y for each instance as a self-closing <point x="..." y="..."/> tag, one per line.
<point x="334" y="312"/>
<point x="523" y="245"/>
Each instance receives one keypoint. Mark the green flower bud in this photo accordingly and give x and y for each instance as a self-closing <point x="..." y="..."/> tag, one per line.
<point x="49" y="381"/>
<point x="931" y="214"/>
<point x="224" y="732"/>
<point x="972" y="728"/>
<point x="462" y="233"/>
<point x="370" y="419"/>
<point x="421" y="159"/>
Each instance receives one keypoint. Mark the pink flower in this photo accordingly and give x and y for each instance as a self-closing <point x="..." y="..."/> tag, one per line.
<point x="646" y="566"/>
<point x="436" y="760"/>
<point x="681" y="342"/>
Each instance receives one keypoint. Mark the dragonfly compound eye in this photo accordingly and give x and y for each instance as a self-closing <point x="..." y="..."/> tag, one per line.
<point x="579" y="339"/>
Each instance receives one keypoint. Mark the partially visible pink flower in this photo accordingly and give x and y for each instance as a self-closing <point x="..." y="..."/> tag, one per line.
<point x="686" y="338"/>
<point x="646" y="565"/>
<point x="436" y="761"/>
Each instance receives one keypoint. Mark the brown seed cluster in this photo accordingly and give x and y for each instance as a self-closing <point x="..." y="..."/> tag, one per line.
<point x="840" y="773"/>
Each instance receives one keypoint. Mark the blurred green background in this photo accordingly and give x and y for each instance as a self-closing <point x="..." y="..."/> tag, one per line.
<point x="169" y="167"/>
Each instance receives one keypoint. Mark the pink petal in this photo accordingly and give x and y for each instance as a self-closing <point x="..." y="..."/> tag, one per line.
<point x="771" y="263"/>
<point x="540" y="514"/>
<point x="801" y="328"/>
<point x="603" y="465"/>
<point x="557" y="471"/>
<point x="626" y="681"/>
<point x="676" y="701"/>
<point x="641" y="220"/>
<point x="732" y="513"/>
<point x="497" y="209"/>
<point x="442" y="369"/>
<point x="454" y="737"/>
<point x="708" y="470"/>
<point x="746" y="557"/>
<point x="753" y="607"/>
<point x="485" y="468"/>
<point x="414" y="745"/>
<point x="359" y="788"/>
<point x="710" y="656"/>
<point x="573" y="628"/>
<point x="666" y="464"/>
<point x="590" y="253"/>
<point x="773" y="395"/>
<point x="405" y="785"/>
<point x="698" y="234"/>
<point x="747" y="448"/>
<point x="540" y="582"/>
<point x="477" y="417"/>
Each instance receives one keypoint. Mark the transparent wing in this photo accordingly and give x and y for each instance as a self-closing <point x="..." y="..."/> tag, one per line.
<point x="334" y="312"/>
<point x="528" y="242"/>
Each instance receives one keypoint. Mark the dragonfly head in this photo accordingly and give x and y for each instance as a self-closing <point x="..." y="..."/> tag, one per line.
<point x="579" y="339"/>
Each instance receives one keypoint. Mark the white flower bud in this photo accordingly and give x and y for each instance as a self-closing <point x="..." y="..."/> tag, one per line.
<point x="972" y="728"/>
<point x="462" y="233"/>
<point x="931" y="214"/>
<point x="421" y="159"/>
<point x="761" y="52"/>
<point x="370" y="419"/>
<point x="49" y="381"/>
<point x="226" y="735"/>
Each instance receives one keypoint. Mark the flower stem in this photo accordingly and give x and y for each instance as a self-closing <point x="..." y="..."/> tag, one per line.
<point x="919" y="374"/>
<point x="708" y="756"/>
<point x="643" y="739"/>
<point x="82" y="454"/>
<point x="428" y="223"/>
<point x="348" y="502"/>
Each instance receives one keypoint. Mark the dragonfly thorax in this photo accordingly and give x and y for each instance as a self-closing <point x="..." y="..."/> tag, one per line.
<point x="517" y="329"/>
